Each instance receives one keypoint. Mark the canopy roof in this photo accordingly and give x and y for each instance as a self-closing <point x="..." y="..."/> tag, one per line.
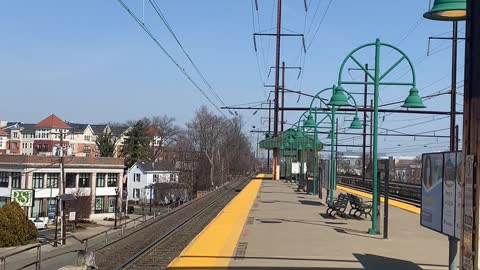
<point x="282" y="138"/>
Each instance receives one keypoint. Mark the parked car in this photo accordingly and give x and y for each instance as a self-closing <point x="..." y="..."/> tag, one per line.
<point x="39" y="222"/>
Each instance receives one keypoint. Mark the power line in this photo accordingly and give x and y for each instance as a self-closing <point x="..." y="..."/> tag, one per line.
<point x="157" y="9"/>
<point x="320" y="24"/>
<point x="145" y="28"/>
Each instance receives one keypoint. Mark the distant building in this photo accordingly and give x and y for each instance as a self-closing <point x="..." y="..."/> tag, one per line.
<point x="143" y="174"/>
<point x="82" y="140"/>
<point x="43" y="138"/>
<point x="47" y="135"/>
<point x="3" y="141"/>
<point x="94" y="181"/>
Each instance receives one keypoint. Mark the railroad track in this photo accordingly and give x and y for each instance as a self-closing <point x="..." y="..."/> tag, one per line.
<point x="392" y="196"/>
<point x="160" y="242"/>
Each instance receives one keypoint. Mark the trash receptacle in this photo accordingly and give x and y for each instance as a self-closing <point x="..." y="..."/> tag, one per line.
<point x="130" y="209"/>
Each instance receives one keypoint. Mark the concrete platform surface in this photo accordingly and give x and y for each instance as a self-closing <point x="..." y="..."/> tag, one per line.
<point x="286" y="229"/>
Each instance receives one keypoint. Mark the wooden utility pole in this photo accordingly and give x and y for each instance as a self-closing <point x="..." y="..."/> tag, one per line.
<point x="471" y="144"/>
<point x="276" y="165"/>
<point x="62" y="189"/>
<point x="283" y="95"/>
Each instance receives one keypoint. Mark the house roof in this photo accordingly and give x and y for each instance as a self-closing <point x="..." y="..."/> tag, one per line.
<point x="27" y="128"/>
<point x="161" y="165"/>
<point x="98" y="129"/>
<point x="152" y="131"/>
<point x="3" y="133"/>
<point x="118" y="130"/>
<point x="78" y="128"/>
<point x="52" y="122"/>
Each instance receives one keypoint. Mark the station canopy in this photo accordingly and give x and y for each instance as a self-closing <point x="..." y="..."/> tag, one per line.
<point x="291" y="139"/>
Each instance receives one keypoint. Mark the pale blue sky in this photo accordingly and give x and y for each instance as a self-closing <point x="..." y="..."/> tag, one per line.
<point x="88" y="61"/>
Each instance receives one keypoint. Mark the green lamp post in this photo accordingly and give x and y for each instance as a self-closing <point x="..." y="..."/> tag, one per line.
<point x="377" y="79"/>
<point x="451" y="10"/>
<point x="339" y="97"/>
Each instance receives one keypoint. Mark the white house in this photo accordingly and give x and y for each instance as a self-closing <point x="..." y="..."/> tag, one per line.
<point x="143" y="174"/>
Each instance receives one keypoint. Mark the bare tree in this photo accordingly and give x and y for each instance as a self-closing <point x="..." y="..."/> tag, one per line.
<point x="162" y="132"/>
<point x="222" y="147"/>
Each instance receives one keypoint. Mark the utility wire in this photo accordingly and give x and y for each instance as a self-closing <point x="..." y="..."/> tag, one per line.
<point x="145" y="28"/>
<point x="157" y="9"/>
<point x="320" y="24"/>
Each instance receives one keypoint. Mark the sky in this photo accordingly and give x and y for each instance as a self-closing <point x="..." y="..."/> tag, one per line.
<point x="89" y="61"/>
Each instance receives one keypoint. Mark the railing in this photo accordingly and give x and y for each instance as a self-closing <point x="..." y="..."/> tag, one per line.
<point x="85" y="241"/>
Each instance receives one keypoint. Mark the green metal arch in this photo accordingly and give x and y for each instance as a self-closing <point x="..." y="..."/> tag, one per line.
<point x="414" y="78"/>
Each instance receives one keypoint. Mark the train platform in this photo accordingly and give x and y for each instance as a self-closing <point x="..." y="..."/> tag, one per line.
<point x="270" y="225"/>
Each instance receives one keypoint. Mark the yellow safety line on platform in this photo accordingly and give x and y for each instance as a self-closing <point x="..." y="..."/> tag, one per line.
<point x="402" y="205"/>
<point x="215" y="245"/>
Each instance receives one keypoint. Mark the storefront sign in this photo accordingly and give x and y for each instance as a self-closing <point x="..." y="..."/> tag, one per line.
<point x="24" y="197"/>
<point x="52" y="208"/>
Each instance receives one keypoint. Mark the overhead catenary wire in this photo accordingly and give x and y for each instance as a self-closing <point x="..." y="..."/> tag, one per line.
<point x="319" y="25"/>
<point x="184" y="72"/>
<point x="157" y="9"/>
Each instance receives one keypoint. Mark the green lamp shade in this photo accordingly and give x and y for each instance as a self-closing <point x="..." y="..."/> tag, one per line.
<point x="291" y="140"/>
<point x="286" y="145"/>
<point x="339" y="98"/>
<point x="299" y="134"/>
<point x="356" y="124"/>
<point x="308" y="146"/>
<point x="413" y="100"/>
<point x="447" y="10"/>
<point x="310" y="122"/>
<point x="282" y="147"/>
<point x="300" y="147"/>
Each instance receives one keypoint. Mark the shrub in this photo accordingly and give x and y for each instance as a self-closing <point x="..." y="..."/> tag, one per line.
<point x="15" y="228"/>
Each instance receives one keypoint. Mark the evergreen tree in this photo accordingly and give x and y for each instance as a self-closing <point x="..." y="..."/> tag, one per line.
<point x="136" y="144"/>
<point x="106" y="144"/>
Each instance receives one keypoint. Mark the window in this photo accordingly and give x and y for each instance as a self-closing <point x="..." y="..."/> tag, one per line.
<point x="100" y="179"/>
<point x="99" y="205"/>
<point x="111" y="204"/>
<point x="1" y="143"/>
<point x="84" y="180"/>
<point x="112" y="180"/>
<point x="14" y="145"/>
<point x="172" y="177"/>
<point x="136" y="193"/>
<point x="86" y="148"/>
<point x="52" y="180"/>
<point x="136" y="177"/>
<point x="38" y="180"/>
<point x="4" y="179"/>
<point x="70" y="180"/>
<point x="15" y="135"/>
<point x="16" y="179"/>
<point x="87" y="137"/>
<point x="155" y="178"/>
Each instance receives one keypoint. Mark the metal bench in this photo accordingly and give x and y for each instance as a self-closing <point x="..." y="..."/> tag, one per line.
<point x="360" y="207"/>
<point x="338" y="205"/>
